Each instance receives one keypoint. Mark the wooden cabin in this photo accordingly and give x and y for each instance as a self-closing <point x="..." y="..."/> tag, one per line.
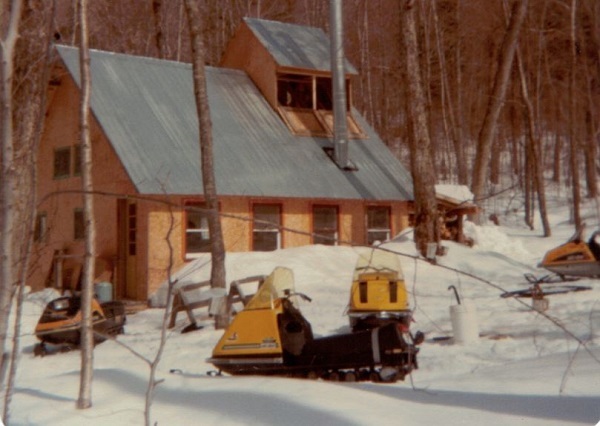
<point x="278" y="187"/>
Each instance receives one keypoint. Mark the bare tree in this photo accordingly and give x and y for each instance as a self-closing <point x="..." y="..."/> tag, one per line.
<point x="426" y="216"/>
<point x="32" y="68"/>
<point x="217" y="276"/>
<point x="574" y="144"/>
<point x="8" y="278"/>
<point x="157" y="14"/>
<point x="87" y="288"/>
<point x="488" y="130"/>
<point x="537" y="169"/>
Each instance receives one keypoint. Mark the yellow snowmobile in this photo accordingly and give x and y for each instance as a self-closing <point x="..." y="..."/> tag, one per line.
<point x="575" y="257"/>
<point x="272" y="337"/>
<point x="378" y="293"/>
<point x="60" y="323"/>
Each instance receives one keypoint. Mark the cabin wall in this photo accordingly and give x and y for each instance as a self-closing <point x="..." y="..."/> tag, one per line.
<point x="236" y="221"/>
<point x="59" y="197"/>
<point x="247" y="53"/>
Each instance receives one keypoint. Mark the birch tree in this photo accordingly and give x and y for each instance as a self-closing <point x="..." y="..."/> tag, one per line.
<point x="8" y="278"/>
<point x="32" y="68"/>
<point x="87" y="289"/>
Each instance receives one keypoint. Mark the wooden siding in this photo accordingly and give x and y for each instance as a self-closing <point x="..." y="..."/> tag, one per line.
<point x="246" y="52"/>
<point x="61" y="129"/>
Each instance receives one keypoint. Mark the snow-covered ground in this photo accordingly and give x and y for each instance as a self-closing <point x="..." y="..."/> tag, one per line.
<point x="523" y="370"/>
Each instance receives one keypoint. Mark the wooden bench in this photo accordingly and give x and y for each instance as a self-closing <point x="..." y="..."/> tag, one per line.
<point x="237" y="293"/>
<point x="188" y="297"/>
<point x="184" y="302"/>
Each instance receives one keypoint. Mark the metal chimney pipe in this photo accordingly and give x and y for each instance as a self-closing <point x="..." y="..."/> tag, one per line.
<point x="338" y="84"/>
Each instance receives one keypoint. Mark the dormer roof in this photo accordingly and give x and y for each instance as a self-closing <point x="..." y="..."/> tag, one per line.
<point x="295" y="46"/>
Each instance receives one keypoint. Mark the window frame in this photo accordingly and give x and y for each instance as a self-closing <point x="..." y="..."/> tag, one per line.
<point x="370" y="229"/>
<point x="62" y="169"/>
<point x="203" y="231"/>
<point x="78" y="224"/>
<point x="263" y="228"/>
<point x="314" y="118"/>
<point x="76" y="160"/>
<point x="321" y="235"/>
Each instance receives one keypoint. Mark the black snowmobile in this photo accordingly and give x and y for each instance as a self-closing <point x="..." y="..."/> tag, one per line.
<point x="60" y="323"/>
<point x="272" y="337"/>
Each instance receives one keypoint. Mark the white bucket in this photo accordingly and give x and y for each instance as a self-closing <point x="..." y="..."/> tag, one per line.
<point x="540" y="305"/>
<point x="464" y="322"/>
<point x="103" y="291"/>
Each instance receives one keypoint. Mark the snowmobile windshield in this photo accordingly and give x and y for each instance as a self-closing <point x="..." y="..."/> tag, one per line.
<point x="274" y="287"/>
<point x="577" y="237"/>
<point x="375" y="261"/>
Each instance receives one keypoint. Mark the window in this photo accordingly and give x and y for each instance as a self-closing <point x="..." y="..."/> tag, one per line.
<point x="67" y="161"/>
<point x="324" y="94"/>
<point x="378" y="224"/>
<point x="295" y="91"/>
<point x="325" y="225"/>
<point x="266" y="235"/>
<point x="132" y="229"/>
<point x="78" y="224"/>
<point x="62" y="162"/>
<point x="306" y="105"/>
<point x="77" y="160"/>
<point x="197" y="236"/>
<point x="41" y="228"/>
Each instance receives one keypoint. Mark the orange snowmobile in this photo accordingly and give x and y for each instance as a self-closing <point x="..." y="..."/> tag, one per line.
<point x="575" y="258"/>
<point x="60" y="323"/>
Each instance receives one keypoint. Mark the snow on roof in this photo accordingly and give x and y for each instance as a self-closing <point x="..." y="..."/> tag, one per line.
<point x="458" y="194"/>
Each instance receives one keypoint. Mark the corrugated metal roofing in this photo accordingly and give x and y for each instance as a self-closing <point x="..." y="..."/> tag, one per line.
<point x="147" y="110"/>
<point x="295" y="46"/>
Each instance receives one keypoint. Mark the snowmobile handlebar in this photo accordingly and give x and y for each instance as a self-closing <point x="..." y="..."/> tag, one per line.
<point x="303" y="296"/>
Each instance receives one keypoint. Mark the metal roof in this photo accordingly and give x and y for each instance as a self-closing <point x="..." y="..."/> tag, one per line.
<point x="295" y="46"/>
<point x="146" y="108"/>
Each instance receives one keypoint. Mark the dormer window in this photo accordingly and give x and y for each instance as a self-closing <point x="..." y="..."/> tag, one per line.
<point x="295" y="91"/>
<point x="306" y="105"/>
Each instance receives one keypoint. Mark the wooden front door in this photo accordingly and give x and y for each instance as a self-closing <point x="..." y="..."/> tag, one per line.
<point x="127" y="228"/>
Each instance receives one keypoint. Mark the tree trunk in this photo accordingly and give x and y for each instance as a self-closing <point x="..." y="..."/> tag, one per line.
<point x="217" y="276"/>
<point x="591" y="146"/>
<point x="8" y="277"/>
<point x="459" y="138"/>
<point x="158" y="32"/>
<point x="29" y="109"/>
<point x="426" y="216"/>
<point x="537" y="169"/>
<point x="87" y="289"/>
<point x="574" y="145"/>
<point x="488" y="130"/>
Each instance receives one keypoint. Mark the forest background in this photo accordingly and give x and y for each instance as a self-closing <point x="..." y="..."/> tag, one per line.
<point x="459" y="45"/>
<point x="548" y="119"/>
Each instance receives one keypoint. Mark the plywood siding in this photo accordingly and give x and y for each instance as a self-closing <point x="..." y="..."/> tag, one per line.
<point x="58" y="196"/>
<point x="246" y="52"/>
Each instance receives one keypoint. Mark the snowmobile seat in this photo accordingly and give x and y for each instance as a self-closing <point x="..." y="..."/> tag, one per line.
<point x="295" y="330"/>
<point x="594" y="244"/>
